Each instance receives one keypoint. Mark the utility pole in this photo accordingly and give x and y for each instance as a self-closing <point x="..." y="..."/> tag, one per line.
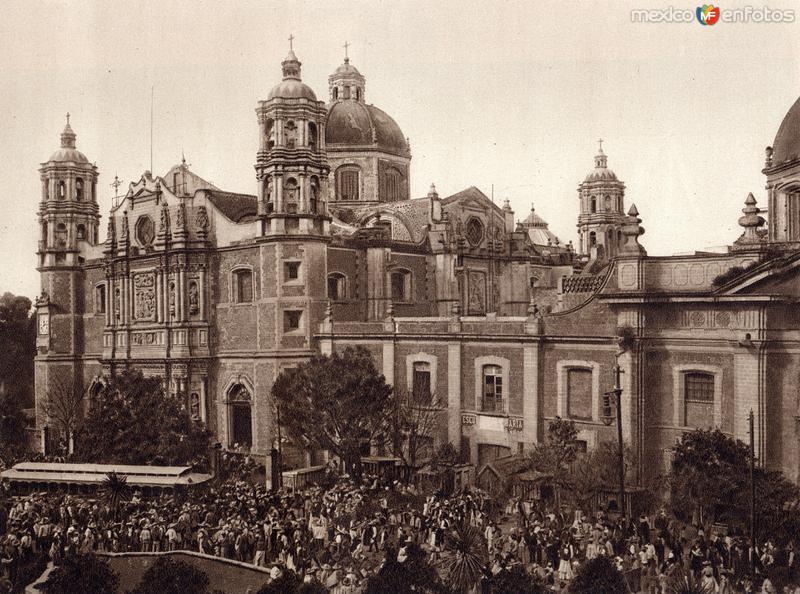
<point x="620" y="455"/>
<point x="752" y="493"/>
<point x="616" y="393"/>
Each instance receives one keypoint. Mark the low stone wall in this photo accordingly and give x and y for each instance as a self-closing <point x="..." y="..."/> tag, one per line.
<point x="225" y="575"/>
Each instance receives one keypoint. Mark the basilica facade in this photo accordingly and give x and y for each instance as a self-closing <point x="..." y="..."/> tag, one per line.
<point x="480" y="314"/>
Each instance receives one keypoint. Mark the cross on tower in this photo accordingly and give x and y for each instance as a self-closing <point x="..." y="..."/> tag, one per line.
<point x="600" y="140"/>
<point x="346" y="45"/>
<point x="291" y="39"/>
<point x="116" y="184"/>
<point x="67" y="117"/>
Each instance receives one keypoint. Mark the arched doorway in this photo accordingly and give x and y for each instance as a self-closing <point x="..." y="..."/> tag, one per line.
<point x="240" y="417"/>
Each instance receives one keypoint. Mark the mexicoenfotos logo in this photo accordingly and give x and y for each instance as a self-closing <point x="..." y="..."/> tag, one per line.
<point x="708" y="14"/>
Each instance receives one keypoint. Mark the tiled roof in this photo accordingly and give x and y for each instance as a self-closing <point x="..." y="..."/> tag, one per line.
<point x="240" y="208"/>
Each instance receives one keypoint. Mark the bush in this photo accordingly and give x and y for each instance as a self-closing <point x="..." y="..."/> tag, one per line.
<point x="172" y="576"/>
<point x="598" y="575"/>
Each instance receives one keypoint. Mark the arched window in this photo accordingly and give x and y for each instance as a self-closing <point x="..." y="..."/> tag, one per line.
<point x="358" y="94"/>
<point x="62" y="190"/>
<point x="80" y="232"/>
<point x="78" y="188"/>
<point x="291" y="192"/>
<point x="346" y="92"/>
<point x="337" y="286"/>
<point x="393" y="185"/>
<point x="240" y="417"/>
<point x="313" y="198"/>
<point x="312" y="135"/>
<point x="347" y="182"/>
<point x="619" y="239"/>
<point x="492" y="389"/>
<point x="290" y="134"/>
<point x="592" y="239"/>
<point x="593" y="205"/>
<point x="100" y="299"/>
<point x="698" y="395"/>
<point x="421" y="383"/>
<point x="61" y="235"/>
<point x="607" y="203"/>
<point x="269" y="133"/>
<point x="401" y="285"/>
<point x="335" y="93"/>
<point x="243" y="285"/>
<point x="194" y="405"/>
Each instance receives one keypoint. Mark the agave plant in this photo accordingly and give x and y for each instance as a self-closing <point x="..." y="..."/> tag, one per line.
<point x="115" y="491"/>
<point x="465" y="557"/>
<point x="684" y="582"/>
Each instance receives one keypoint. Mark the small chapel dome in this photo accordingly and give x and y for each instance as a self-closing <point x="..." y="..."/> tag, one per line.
<point x="787" y="141"/>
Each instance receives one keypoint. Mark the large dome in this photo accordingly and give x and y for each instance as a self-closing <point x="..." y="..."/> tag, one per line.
<point x="71" y="155"/>
<point x="353" y="123"/>
<point x="787" y="141"/>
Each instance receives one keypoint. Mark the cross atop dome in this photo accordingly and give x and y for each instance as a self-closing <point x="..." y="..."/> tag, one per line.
<point x="68" y="136"/>
<point x="346" y="56"/>
<point x="600" y="159"/>
<point x="291" y="65"/>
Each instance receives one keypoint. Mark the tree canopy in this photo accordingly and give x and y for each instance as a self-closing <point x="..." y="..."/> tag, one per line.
<point x="557" y="452"/>
<point x="598" y="575"/>
<point x="411" y="575"/>
<point x="132" y="421"/>
<point x="712" y="471"/>
<point x="172" y="576"/>
<point x="18" y="337"/>
<point x="336" y="403"/>
<point x="81" y="574"/>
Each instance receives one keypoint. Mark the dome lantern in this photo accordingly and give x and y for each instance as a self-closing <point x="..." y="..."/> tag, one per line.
<point x="346" y="83"/>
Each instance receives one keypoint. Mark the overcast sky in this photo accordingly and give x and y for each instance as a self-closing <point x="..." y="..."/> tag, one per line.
<point x="505" y="93"/>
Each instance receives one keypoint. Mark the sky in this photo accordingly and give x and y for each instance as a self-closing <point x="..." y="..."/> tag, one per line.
<point x="510" y="95"/>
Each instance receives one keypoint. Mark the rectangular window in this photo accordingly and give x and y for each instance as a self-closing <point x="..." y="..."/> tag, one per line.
<point x="291" y="271"/>
<point x="579" y="393"/>
<point x="291" y="320"/>
<point x="100" y="299"/>
<point x="243" y="286"/>
<point x="421" y="383"/>
<point x="698" y="399"/>
<point x="492" y="389"/>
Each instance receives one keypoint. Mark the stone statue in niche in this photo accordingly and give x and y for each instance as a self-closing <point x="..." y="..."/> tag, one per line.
<point x="180" y="222"/>
<point x="476" y="301"/>
<point x="194" y="405"/>
<point x="164" y="223"/>
<point x="125" y="225"/>
<point x="194" y="301"/>
<point x="172" y="300"/>
<point x="117" y="304"/>
<point x="202" y="218"/>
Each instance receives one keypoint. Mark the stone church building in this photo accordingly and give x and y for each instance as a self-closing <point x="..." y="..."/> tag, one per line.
<point x="464" y="304"/>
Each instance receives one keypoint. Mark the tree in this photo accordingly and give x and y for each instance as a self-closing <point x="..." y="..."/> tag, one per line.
<point x="711" y="475"/>
<point x="132" y="421"/>
<point x="413" y="426"/>
<point x="556" y="453"/>
<point x="335" y="403"/>
<point x="598" y="575"/>
<point x="18" y="337"/>
<point x="464" y="558"/>
<point x="413" y="575"/>
<point x="64" y="406"/>
<point x="115" y="491"/>
<point x="13" y="437"/>
<point x="81" y="574"/>
<point x="172" y="576"/>
<point x="596" y="471"/>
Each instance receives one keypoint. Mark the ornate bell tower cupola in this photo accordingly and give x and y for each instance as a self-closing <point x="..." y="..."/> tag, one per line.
<point x="346" y="82"/>
<point x="602" y="210"/>
<point x="68" y="212"/>
<point x="291" y="166"/>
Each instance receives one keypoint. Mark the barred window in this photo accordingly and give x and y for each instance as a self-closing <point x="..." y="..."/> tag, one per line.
<point x="347" y="183"/>
<point x="699" y="387"/>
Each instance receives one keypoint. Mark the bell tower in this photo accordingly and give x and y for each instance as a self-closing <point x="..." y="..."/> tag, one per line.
<point x="68" y="223"/>
<point x="602" y="210"/>
<point x="291" y="165"/>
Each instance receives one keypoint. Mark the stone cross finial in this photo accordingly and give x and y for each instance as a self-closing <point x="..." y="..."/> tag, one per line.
<point x="346" y="46"/>
<point x="600" y="142"/>
<point x="291" y="39"/>
<point x="67" y="117"/>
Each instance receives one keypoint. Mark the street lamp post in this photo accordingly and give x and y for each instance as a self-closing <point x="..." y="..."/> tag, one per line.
<point x="616" y="394"/>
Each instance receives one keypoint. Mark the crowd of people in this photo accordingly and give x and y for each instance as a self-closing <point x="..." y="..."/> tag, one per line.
<point x="339" y="535"/>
